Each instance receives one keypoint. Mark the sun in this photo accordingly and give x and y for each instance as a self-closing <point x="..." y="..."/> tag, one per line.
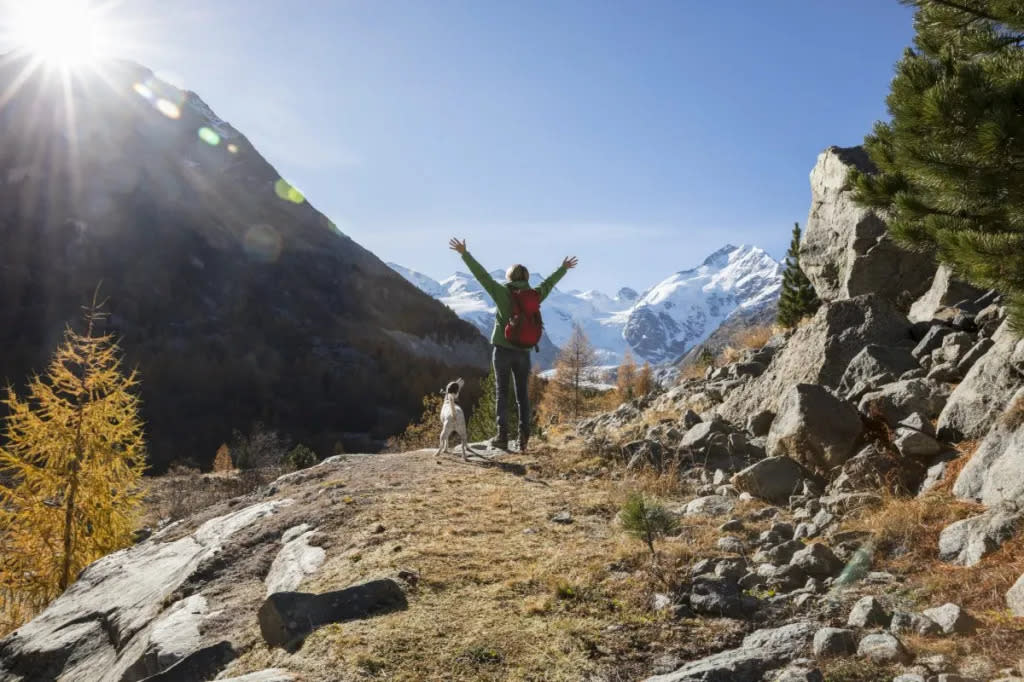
<point x="64" y="33"/>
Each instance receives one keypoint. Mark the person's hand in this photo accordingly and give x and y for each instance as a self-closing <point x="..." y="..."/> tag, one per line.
<point x="569" y="263"/>
<point x="457" y="246"/>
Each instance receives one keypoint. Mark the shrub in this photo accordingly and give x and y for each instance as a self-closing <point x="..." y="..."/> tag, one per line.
<point x="647" y="520"/>
<point x="222" y="461"/>
<point x="300" y="457"/>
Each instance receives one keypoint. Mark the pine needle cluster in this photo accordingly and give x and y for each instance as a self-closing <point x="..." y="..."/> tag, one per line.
<point x="797" y="299"/>
<point x="647" y="520"/>
<point x="950" y="161"/>
<point x="73" y="459"/>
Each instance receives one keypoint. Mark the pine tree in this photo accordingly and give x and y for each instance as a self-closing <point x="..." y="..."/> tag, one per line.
<point x="74" y="457"/>
<point x="706" y="357"/>
<point x="798" y="298"/>
<point x="626" y="377"/>
<point x="950" y="161"/>
<point x="566" y="393"/>
<point x="222" y="461"/>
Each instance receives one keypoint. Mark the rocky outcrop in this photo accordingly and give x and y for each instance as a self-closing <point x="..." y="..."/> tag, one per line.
<point x="877" y="361"/>
<point x="995" y="473"/>
<point x="815" y="428"/>
<point x="985" y="390"/>
<point x="896" y="401"/>
<point x="119" y="620"/>
<point x="966" y="542"/>
<point x="846" y="250"/>
<point x="819" y="353"/>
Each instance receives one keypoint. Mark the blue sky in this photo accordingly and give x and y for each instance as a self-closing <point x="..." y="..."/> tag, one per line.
<point x="639" y="136"/>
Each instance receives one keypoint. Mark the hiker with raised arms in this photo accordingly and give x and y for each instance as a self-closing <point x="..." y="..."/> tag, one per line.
<point x="517" y="329"/>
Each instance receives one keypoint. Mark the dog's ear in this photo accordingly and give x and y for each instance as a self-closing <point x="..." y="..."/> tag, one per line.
<point x="460" y="382"/>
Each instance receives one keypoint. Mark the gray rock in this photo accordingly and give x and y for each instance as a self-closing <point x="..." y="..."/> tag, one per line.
<point x="731" y="569"/>
<point x="716" y="596"/>
<point x="966" y="542"/>
<point x="732" y="544"/>
<point x="995" y="473"/>
<point x="201" y="664"/>
<point x="761" y="651"/>
<point x="872" y="469"/>
<point x="918" y="373"/>
<point x="296" y="560"/>
<point x="1015" y="598"/>
<point x="973" y="355"/>
<point x="819" y="353"/>
<point x="910" y="677"/>
<point x="817" y="560"/>
<point x="563" y="517"/>
<point x="866" y="613"/>
<point x="830" y="642"/>
<point x="877" y="360"/>
<point x="783" y="552"/>
<point x="946" y="289"/>
<point x="946" y="373"/>
<point x="731" y="526"/>
<point x="882" y="648"/>
<point x="917" y="421"/>
<point x="285" y="618"/>
<point x="798" y="673"/>
<point x="102" y="626"/>
<point x="917" y="444"/>
<point x="710" y="505"/>
<point x="691" y="419"/>
<point x="759" y="423"/>
<point x="931" y="341"/>
<point x="786" y="578"/>
<point x="985" y="390"/>
<point x="951" y="619"/>
<point x="783" y="529"/>
<point x="846" y="249"/>
<point x="806" y="530"/>
<point x="954" y="347"/>
<point x="773" y="479"/>
<point x="815" y="428"/>
<point x="899" y="400"/>
<point x="903" y="622"/>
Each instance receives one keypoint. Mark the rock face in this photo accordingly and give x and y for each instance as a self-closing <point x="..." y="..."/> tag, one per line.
<point x="297" y="560"/>
<point x="896" y="401"/>
<point x="995" y="472"/>
<point x="877" y="360"/>
<point x="845" y="250"/>
<point x="287" y="617"/>
<point x="945" y="290"/>
<point x="985" y="390"/>
<point x="815" y="428"/>
<point x="237" y="300"/>
<point x="819" y="353"/>
<point x="111" y="623"/>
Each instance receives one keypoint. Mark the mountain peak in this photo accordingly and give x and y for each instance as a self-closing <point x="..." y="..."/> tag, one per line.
<point x="720" y="257"/>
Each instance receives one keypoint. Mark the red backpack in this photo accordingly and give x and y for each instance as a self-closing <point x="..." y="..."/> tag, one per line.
<point x="524" y="324"/>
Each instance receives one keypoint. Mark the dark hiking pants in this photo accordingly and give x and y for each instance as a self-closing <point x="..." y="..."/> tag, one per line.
<point x="509" y="362"/>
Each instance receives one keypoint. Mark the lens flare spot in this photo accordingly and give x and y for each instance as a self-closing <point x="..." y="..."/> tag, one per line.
<point x="143" y="90"/>
<point x="209" y="136"/>
<point x="233" y="148"/>
<point x="168" y="108"/>
<point x="285" y="191"/>
<point x="262" y="243"/>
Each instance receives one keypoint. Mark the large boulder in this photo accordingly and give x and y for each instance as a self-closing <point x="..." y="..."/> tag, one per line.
<point x="946" y="290"/>
<point x="897" y="401"/>
<point x="773" y="479"/>
<point x="819" y="353"/>
<point x="996" y="470"/>
<point x="1015" y="598"/>
<point x="846" y="250"/>
<point x="815" y="428"/>
<point x="992" y="380"/>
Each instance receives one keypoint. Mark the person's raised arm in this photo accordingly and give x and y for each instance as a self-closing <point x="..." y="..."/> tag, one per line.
<point x="548" y="284"/>
<point x="496" y="291"/>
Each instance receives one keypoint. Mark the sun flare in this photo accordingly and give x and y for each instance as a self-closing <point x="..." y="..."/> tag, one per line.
<point x="64" y="33"/>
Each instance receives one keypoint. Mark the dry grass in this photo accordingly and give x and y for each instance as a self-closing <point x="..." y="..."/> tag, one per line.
<point x="906" y="534"/>
<point x="503" y="592"/>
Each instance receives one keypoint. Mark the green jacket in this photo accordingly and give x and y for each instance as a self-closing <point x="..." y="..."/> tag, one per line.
<point x="503" y="299"/>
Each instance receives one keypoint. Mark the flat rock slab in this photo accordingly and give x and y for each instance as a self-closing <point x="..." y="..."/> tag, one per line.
<point x="268" y="675"/>
<point x="202" y="664"/>
<point x="287" y="617"/>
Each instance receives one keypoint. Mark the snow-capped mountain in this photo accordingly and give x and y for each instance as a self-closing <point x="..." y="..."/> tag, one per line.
<point x="659" y="325"/>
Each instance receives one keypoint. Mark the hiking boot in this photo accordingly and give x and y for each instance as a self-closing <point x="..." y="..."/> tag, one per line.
<point x="499" y="443"/>
<point x="522" y="446"/>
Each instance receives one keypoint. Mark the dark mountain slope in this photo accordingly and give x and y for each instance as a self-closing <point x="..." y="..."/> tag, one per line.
<point x="237" y="300"/>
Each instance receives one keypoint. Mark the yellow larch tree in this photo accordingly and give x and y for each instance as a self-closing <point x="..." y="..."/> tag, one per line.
<point x="72" y="459"/>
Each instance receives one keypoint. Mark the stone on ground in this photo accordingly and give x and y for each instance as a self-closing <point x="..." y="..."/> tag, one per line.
<point x="815" y="428"/>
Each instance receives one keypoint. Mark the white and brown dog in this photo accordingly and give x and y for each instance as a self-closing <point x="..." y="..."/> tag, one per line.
<point x="453" y="419"/>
